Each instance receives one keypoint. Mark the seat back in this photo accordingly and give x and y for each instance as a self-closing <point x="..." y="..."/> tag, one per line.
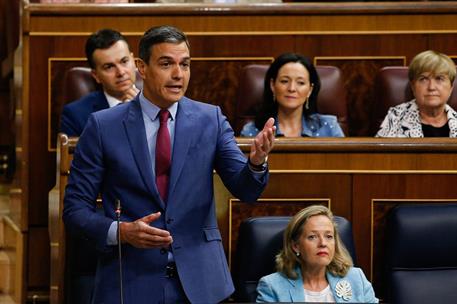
<point x="331" y="98"/>
<point x="78" y="82"/>
<point x="260" y="240"/>
<point x="392" y="88"/>
<point x="422" y="253"/>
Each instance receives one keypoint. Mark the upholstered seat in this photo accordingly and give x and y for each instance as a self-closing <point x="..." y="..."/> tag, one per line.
<point x="422" y="254"/>
<point x="78" y="82"/>
<point x="331" y="98"/>
<point x="260" y="239"/>
<point x="392" y="88"/>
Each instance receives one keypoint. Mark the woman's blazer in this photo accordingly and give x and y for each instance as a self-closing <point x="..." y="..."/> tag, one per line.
<point x="352" y="288"/>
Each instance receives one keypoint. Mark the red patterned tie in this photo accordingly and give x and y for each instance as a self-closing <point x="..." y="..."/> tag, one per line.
<point x="163" y="155"/>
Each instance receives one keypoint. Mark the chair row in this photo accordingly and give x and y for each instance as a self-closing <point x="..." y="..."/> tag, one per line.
<point x="392" y="88"/>
<point x="421" y="247"/>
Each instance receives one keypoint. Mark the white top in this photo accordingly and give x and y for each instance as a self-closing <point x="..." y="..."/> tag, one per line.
<point x="323" y="296"/>
<point x="112" y="101"/>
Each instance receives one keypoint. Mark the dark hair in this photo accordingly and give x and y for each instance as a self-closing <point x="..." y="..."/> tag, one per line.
<point x="159" y="34"/>
<point x="101" y="39"/>
<point x="269" y="107"/>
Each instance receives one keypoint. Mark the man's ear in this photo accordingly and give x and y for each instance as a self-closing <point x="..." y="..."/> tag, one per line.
<point x="141" y="66"/>
<point x="94" y="74"/>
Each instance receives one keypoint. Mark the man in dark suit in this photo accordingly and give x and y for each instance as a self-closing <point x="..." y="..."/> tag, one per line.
<point x="113" y="67"/>
<point x="156" y="155"/>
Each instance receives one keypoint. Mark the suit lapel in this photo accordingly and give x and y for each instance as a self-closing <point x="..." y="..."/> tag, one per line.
<point x="332" y="281"/>
<point x="297" y="293"/>
<point x="134" y="126"/>
<point x="100" y="103"/>
<point x="184" y="130"/>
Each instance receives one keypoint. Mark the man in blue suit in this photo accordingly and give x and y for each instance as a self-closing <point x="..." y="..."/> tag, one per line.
<point x="113" y="67"/>
<point x="171" y="246"/>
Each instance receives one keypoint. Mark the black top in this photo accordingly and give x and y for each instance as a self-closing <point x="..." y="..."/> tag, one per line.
<point x="431" y="131"/>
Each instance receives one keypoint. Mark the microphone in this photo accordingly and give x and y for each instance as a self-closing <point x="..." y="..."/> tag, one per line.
<point x="118" y="236"/>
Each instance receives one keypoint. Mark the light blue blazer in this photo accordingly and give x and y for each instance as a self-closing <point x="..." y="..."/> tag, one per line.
<point x="276" y="287"/>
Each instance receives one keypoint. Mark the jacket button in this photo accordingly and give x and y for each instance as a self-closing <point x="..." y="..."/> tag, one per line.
<point x="169" y="221"/>
<point x="163" y="250"/>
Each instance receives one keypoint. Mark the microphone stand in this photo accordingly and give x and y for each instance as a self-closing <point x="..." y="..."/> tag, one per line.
<point x="118" y="236"/>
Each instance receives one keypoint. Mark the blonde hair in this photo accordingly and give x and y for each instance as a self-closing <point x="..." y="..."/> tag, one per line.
<point x="287" y="260"/>
<point x="433" y="62"/>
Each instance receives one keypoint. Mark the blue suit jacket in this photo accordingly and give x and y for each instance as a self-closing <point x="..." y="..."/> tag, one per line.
<point x="278" y="288"/>
<point x="75" y="114"/>
<point x="112" y="158"/>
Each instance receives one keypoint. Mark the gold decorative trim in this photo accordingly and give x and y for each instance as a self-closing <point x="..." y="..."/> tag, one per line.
<point x="265" y="33"/>
<point x="260" y="200"/>
<point x="232" y="58"/>
<point x="8" y="221"/>
<point x="399" y="201"/>
<point x="15" y="191"/>
<point x="359" y="58"/>
<point x="273" y="171"/>
<point x="54" y="244"/>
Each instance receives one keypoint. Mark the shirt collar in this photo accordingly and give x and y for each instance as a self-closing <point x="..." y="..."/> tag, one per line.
<point x="152" y="111"/>
<point x="112" y="101"/>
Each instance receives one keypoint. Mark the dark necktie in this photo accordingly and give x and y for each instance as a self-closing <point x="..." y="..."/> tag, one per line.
<point x="163" y="155"/>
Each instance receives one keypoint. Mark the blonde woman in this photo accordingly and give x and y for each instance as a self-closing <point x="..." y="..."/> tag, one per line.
<point x="314" y="265"/>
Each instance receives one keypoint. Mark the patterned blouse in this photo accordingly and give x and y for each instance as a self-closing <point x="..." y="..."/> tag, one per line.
<point x="404" y="121"/>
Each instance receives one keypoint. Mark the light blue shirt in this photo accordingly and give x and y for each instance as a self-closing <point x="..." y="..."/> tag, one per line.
<point x="151" y="123"/>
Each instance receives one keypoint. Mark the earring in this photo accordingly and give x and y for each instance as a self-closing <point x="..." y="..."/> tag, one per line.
<point x="307" y="103"/>
<point x="297" y="254"/>
<point x="274" y="98"/>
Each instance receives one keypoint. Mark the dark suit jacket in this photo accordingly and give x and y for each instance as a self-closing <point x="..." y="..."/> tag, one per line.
<point x="112" y="157"/>
<point x="75" y="114"/>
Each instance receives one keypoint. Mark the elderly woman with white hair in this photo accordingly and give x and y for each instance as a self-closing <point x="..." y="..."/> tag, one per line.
<point x="431" y="75"/>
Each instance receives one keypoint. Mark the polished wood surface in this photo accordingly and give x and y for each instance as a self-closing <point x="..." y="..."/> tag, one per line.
<point x="357" y="37"/>
<point x="358" y="178"/>
<point x="14" y="248"/>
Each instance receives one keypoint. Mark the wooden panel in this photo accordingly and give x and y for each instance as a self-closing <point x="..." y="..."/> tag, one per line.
<point x="38" y="247"/>
<point x="377" y="195"/>
<point x="14" y="246"/>
<point x="359" y="74"/>
<point x="233" y="33"/>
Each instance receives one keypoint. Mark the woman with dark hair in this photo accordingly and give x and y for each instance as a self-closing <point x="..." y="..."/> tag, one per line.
<point x="290" y="96"/>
